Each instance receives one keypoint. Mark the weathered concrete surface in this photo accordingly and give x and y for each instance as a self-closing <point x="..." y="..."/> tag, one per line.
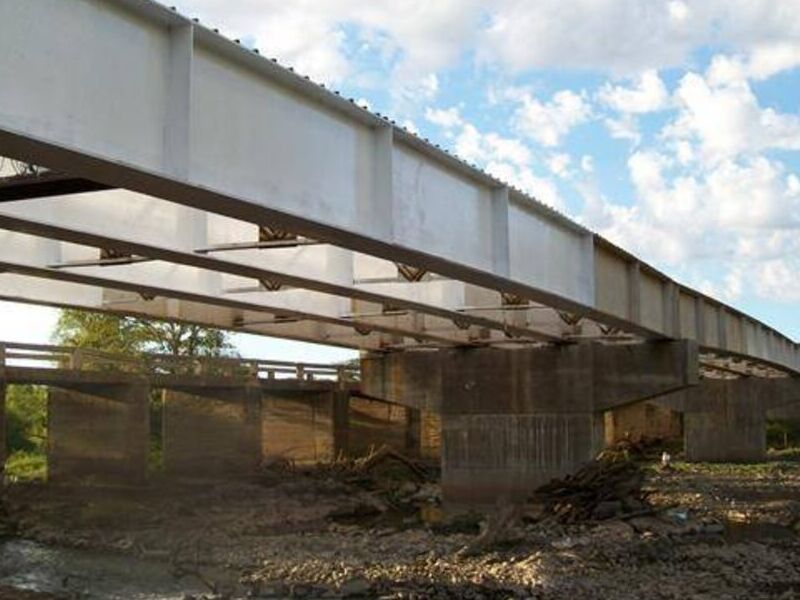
<point x="725" y="419"/>
<point x="412" y="378"/>
<point x="430" y="435"/>
<point x="513" y="419"/>
<point x="642" y="420"/>
<point x="609" y="376"/>
<point x="98" y="433"/>
<point x="217" y="434"/>
<point x="309" y="428"/>
<point x="304" y="427"/>
<point x="374" y="424"/>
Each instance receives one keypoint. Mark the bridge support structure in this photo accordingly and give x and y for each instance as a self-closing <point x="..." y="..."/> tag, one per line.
<point x="304" y="426"/>
<point x="514" y="418"/>
<point x="725" y="419"/>
<point x="98" y="432"/>
<point x="212" y="430"/>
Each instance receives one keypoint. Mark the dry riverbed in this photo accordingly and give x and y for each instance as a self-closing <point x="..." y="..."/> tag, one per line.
<point x="717" y="531"/>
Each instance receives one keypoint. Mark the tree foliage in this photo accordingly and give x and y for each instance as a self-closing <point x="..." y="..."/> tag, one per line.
<point x="132" y="335"/>
<point x="26" y="418"/>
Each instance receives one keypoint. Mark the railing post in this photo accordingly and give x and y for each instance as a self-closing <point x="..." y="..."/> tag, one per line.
<point x="301" y="372"/>
<point x="76" y="360"/>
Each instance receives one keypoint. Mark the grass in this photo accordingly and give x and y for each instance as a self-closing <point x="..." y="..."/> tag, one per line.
<point x="26" y="466"/>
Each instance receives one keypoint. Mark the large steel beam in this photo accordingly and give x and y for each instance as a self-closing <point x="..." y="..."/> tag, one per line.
<point x="210" y="124"/>
<point x="74" y="291"/>
<point x="110" y="220"/>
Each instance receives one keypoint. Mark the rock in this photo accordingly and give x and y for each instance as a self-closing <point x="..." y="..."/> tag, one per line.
<point x="355" y="587"/>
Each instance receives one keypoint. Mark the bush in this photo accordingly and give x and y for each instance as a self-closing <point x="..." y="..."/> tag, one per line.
<point x="783" y="434"/>
<point x="26" y="418"/>
<point x="26" y="466"/>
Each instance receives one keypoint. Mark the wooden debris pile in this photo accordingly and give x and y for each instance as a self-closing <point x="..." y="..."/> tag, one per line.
<point x="608" y="487"/>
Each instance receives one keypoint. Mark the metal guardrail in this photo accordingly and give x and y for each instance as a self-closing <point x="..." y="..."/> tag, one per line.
<point x="88" y="359"/>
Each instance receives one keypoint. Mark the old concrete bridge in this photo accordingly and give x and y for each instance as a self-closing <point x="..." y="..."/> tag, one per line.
<point x="163" y="170"/>
<point x="220" y="416"/>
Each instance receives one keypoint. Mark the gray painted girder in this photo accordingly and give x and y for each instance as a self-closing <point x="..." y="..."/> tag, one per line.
<point x="210" y="124"/>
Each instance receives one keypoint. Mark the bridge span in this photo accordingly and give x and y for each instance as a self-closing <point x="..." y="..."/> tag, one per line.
<point x="157" y="168"/>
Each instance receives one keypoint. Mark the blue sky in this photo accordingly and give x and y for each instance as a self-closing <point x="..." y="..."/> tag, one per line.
<point x="671" y="127"/>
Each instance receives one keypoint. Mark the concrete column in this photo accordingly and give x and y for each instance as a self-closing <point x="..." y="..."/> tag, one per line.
<point x="212" y="432"/>
<point x="514" y="419"/>
<point x="98" y="433"/>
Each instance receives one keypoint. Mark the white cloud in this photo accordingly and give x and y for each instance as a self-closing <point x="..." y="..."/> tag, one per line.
<point x="416" y="35"/>
<point x="543" y="189"/>
<point x="548" y="123"/>
<point x="487" y="148"/>
<point x="626" y="127"/>
<point x="444" y="117"/>
<point x="559" y="164"/>
<point x="741" y="215"/>
<point x="587" y="163"/>
<point x="648" y="94"/>
<point x="629" y="36"/>
<point x="506" y="158"/>
<point x="724" y="116"/>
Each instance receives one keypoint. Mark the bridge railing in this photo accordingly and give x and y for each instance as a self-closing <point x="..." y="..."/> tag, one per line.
<point x="88" y="359"/>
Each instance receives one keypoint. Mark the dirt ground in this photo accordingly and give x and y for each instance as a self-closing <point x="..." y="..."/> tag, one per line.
<point x="714" y="532"/>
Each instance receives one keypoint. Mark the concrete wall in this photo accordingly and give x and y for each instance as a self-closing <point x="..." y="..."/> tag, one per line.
<point x="373" y="424"/>
<point x="430" y="435"/>
<point x="726" y="423"/>
<point x="642" y="420"/>
<point x="215" y="435"/>
<point x="299" y="427"/>
<point x="100" y="436"/>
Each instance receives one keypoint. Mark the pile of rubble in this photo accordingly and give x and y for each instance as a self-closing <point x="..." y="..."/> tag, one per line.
<point x="610" y="486"/>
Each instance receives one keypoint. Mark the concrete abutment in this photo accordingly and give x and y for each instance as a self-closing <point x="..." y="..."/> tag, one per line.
<point x="98" y="433"/>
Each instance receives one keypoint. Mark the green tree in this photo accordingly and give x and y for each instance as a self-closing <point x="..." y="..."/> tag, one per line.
<point x="133" y="335"/>
<point x="26" y="418"/>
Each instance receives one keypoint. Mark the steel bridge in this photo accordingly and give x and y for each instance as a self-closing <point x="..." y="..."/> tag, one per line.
<point x="157" y="168"/>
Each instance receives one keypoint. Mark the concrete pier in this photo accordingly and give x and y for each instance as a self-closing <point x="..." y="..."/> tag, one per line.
<point x="98" y="433"/>
<point x="513" y="419"/>
<point x="212" y="432"/>
<point x="725" y="419"/>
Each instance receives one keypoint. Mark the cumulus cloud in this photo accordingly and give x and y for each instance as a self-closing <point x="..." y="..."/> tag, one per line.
<point x="721" y="113"/>
<point x="506" y="158"/>
<point x="417" y="36"/>
<point x="742" y="215"/>
<point x="548" y="122"/>
<point x="648" y="94"/>
<point x="629" y="36"/>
